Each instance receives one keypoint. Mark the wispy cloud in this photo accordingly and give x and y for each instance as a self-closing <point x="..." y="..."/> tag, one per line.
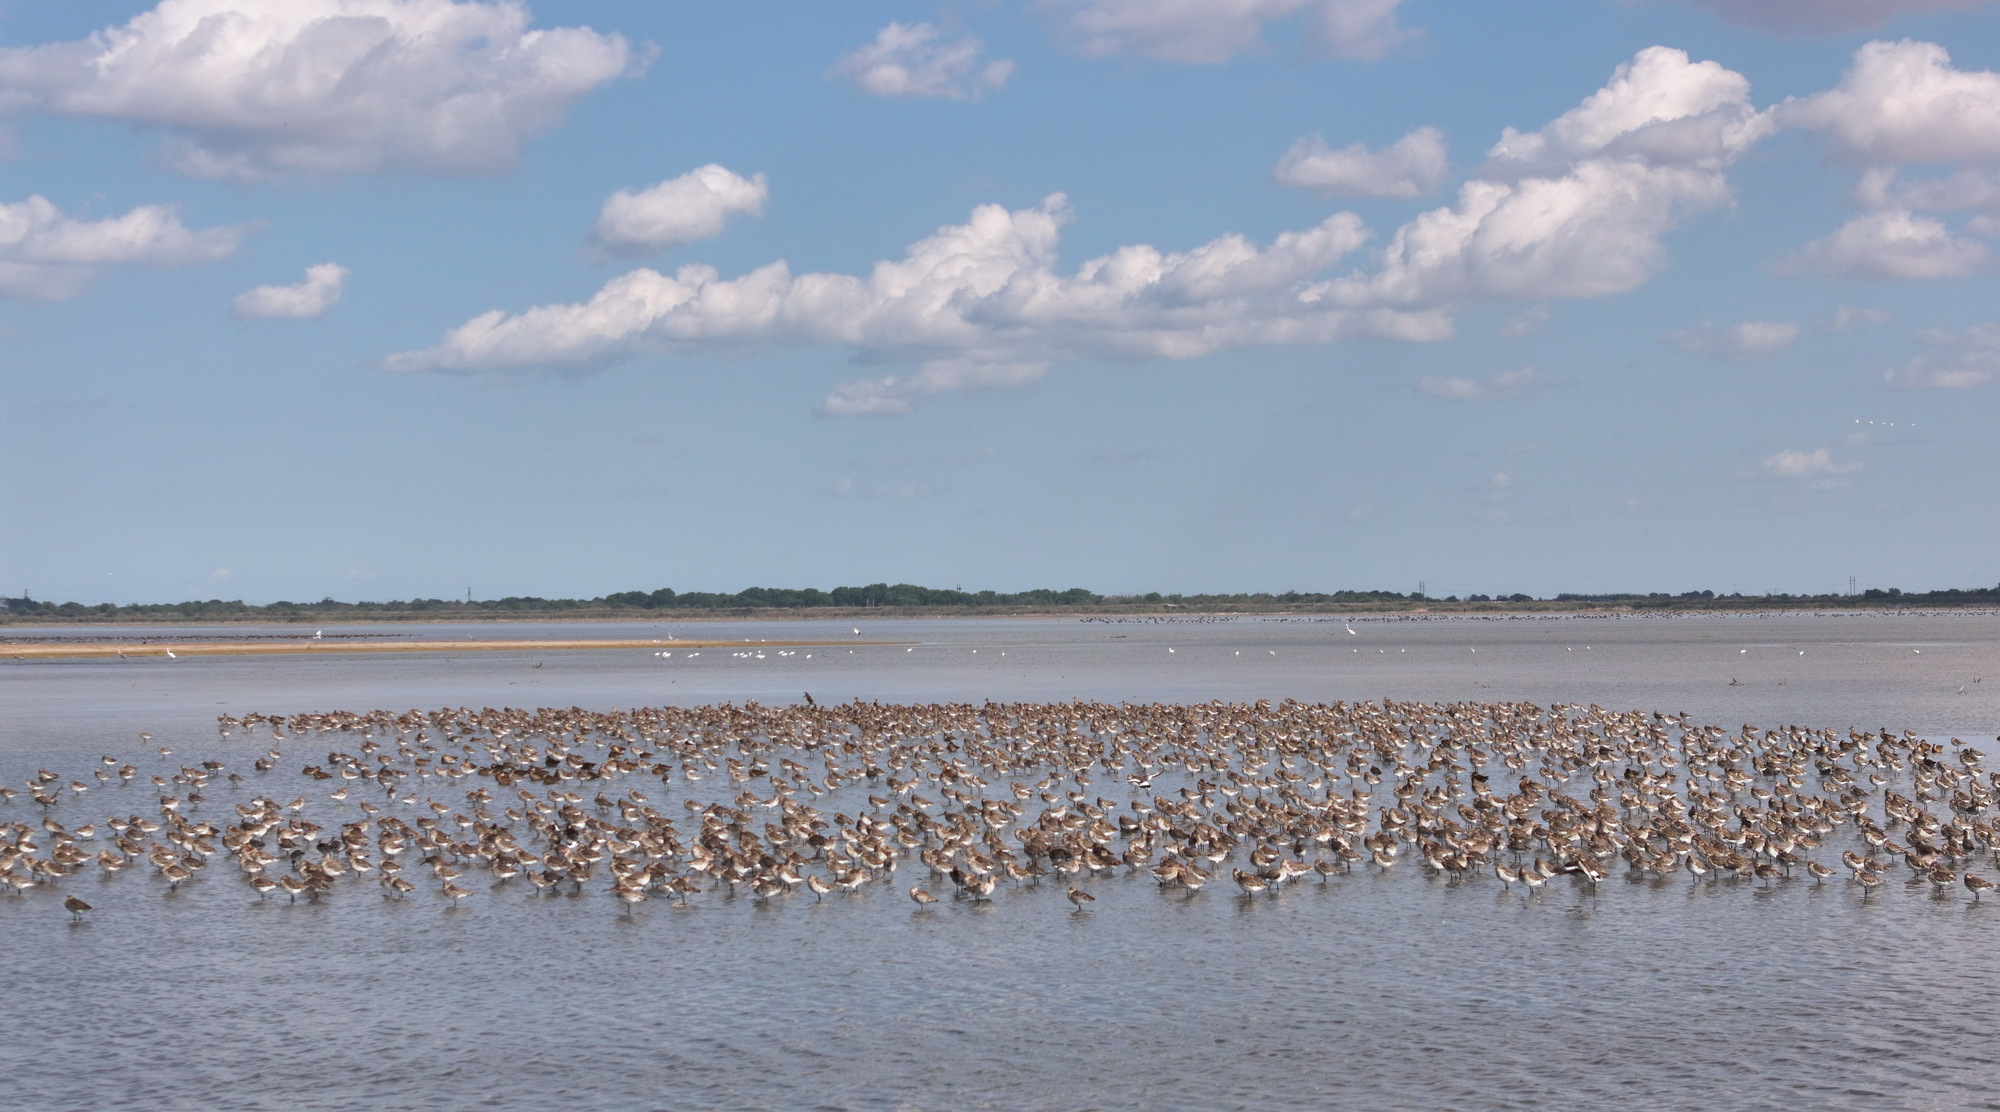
<point x="915" y="60"/>
<point x="1954" y="361"/>
<point x="1816" y="467"/>
<point x="1207" y="31"/>
<point x="1827" y="16"/>
<point x="847" y="487"/>
<point x="1527" y="322"/>
<point x="1745" y="340"/>
<point x="892" y="395"/>
<point x="1848" y="318"/>
<point x="1123" y="455"/>
<point x="1506" y="384"/>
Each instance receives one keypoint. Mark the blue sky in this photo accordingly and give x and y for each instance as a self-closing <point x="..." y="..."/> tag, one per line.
<point x="393" y="298"/>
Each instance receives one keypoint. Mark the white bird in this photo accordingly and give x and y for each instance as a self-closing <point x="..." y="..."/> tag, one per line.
<point x="857" y="631"/>
<point x="171" y="656"/>
<point x="1351" y="633"/>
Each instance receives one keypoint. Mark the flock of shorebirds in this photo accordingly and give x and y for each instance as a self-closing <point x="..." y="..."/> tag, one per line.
<point x="834" y="799"/>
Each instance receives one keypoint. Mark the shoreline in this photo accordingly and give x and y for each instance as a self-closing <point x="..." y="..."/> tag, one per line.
<point x="157" y="649"/>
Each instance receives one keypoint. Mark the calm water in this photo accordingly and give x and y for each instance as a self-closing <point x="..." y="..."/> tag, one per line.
<point x="1368" y="992"/>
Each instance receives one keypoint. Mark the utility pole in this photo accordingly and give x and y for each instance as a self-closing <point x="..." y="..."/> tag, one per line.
<point x="1420" y="589"/>
<point x="1850" y="585"/>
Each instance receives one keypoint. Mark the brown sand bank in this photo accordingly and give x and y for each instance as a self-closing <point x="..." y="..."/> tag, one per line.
<point x="55" y="648"/>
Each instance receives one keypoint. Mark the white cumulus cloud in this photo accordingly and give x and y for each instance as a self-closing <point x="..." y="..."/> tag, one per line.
<point x="1828" y="15"/>
<point x="981" y="294"/>
<point x="1955" y="361"/>
<point x="310" y="298"/>
<point x="251" y="89"/>
<point x="696" y="205"/>
<point x="1891" y="244"/>
<point x="1218" y="30"/>
<point x="48" y="256"/>
<point x="1744" y="340"/>
<point x="1410" y="167"/>
<point x="1592" y="231"/>
<point x="914" y="61"/>
<point x="1503" y="385"/>
<point x="985" y="304"/>
<point x="1660" y="109"/>
<point x="1903" y="102"/>
<point x="1577" y="208"/>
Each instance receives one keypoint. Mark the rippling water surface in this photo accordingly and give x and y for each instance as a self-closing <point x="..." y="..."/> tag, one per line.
<point x="1388" y="991"/>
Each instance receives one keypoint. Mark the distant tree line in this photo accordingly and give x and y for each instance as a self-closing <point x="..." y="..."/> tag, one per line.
<point x="908" y="596"/>
<point x="1950" y="596"/>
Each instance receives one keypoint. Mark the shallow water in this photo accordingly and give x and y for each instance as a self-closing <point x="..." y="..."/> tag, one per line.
<point x="1367" y="992"/>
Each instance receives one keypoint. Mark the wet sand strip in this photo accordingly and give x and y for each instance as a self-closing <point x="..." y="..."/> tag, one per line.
<point x="164" y="649"/>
